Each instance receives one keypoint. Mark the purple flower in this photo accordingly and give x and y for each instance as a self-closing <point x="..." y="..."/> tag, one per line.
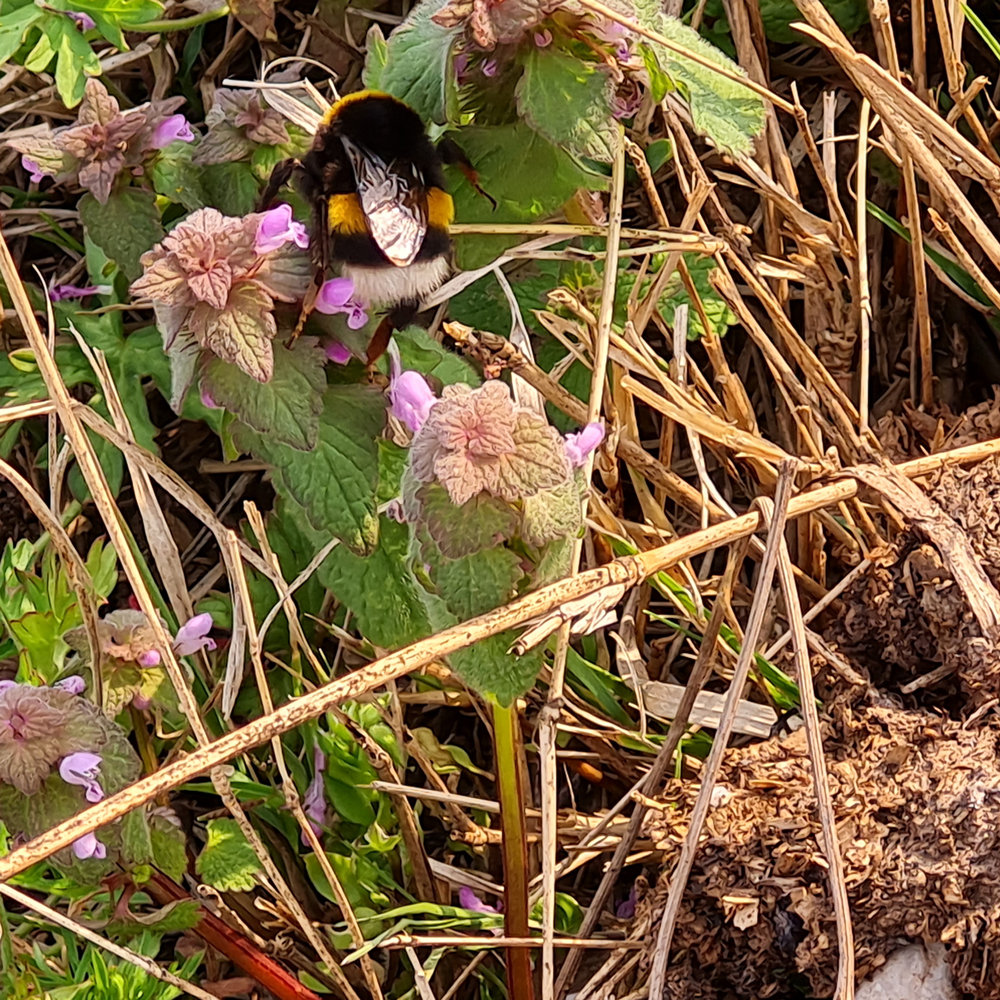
<point x="626" y="104"/>
<point x="207" y="400"/>
<point x="468" y="900"/>
<point x="335" y="297"/>
<point x="59" y="292"/>
<point x="33" y="168"/>
<point x="83" y="769"/>
<point x="543" y="38"/>
<point x="462" y="67"/>
<point x="193" y="635"/>
<point x="84" y="21"/>
<point x="7" y="684"/>
<point x="490" y="67"/>
<point x="75" y="684"/>
<point x="151" y="658"/>
<point x="338" y="353"/>
<point x="580" y="445"/>
<point x="276" y="228"/>
<point x="412" y="399"/>
<point x="141" y="702"/>
<point x="88" y="846"/>
<point x="173" y="129"/>
<point x="626" y="908"/>
<point x="314" y="804"/>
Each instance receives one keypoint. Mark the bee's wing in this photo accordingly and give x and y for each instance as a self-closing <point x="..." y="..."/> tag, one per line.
<point x="392" y="201"/>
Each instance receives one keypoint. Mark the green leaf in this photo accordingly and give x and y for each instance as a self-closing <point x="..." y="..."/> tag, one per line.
<point x="490" y="669"/>
<point x="778" y="15"/>
<point x="545" y="178"/>
<point x="287" y="407"/>
<point x="484" y="305"/>
<point x="380" y="590"/>
<point x="125" y="228"/>
<point x="727" y="112"/>
<point x="227" y="861"/>
<point x="337" y="480"/>
<point x="176" y="177"/>
<point x="391" y="463"/>
<point x="419" y="351"/>
<point x="552" y="514"/>
<point x="569" y="102"/>
<point x="231" y="188"/>
<point x="462" y="531"/>
<point x="478" y="583"/>
<point x="418" y="65"/>
<point x="376" y="56"/>
<point x="15" y="26"/>
<point x="658" y="152"/>
<point x="40" y="56"/>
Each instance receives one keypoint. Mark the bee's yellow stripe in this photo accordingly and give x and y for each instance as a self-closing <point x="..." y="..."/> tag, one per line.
<point x="358" y="95"/>
<point x="440" y="209"/>
<point x="344" y="214"/>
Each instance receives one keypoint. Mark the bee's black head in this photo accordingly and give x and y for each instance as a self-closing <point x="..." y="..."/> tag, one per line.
<point x="380" y="124"/>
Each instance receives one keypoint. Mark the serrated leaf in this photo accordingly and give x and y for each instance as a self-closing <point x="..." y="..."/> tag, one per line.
<point x="478" y="583"/>
<point x="420" y="352"/>
<point x="169" y="849"/>
<point x="484" y="305"/>
<point x="287" y="407"/>
<point x="137" y="849"/>
<point x="379" y="589"/>
<point x="391" y="463"/>
<point x="489" y="669"/>
<point x="725" y="111"/>
<point x="418" y="65"/>
<point x="481" y="523"/>
<point x="125" y="228"/>
<point x="569" y="102"/>
<point x="376" y="56"/>
<point x="231" y="188"/>
<point x="778" y="15"/>
<point x="227" y="861"/>
<point x="552" y="514"/>
<point x="337" y="480"/>
<point x="545" y="178"/>
<point x="176" y="177"/>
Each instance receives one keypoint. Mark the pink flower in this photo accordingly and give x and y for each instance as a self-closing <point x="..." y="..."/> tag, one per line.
<point x="193" y="635"/>
<point x="88" y="846"/>
<point x="59" y="292"/>
<point x="37" y="173"/>
<point x="411" y="398"/>
<point x="462" y="67"/>
<point x="338" y="353"/>
<point x="172" y="129"/>
<point x="490" y="67"/>
<point x="581" y="444"/>
<point x="276" y="228"/>
<point x="543" y="38"/>
<point x="468" y="900"/>
<point x="626" y="908"/>
<point x="335" y="297"/>
<point x="207" y="400"/>
<point x="151" y="658"/>
<point x="84" y="21"/>
<point x="314" y="803"/>
<point x="83" y="769"/>
<point x="75" y="684"/>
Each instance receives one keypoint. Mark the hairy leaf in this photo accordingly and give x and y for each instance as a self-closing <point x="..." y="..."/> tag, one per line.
<point x="490" y="669"/>
<point x="231" y="188"/>
<point x="125" y="228"/>
<point x="727" y="112"/>
<point x="545" y="178"/>
<point x="418" y="65"/>
<point x="552" y="514"/>
<point x="379" y="589"/>
<point x="288" y="406"/>
<point x="336" y="481"/>
<point x="420" y="352"/>
<point x="227" y="861"/>
<point x="481" y="523"/>
<point x="480" y="582"/>
<point x="176" y="177"/>
<point x="569" y="102"/>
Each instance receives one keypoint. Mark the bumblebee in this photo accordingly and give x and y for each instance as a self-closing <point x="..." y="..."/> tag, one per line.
<point x="381" y="211"/>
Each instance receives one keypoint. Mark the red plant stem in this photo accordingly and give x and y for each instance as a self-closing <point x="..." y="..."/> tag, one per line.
<point x="241" y="952"/>
<point x="506" y="742"/>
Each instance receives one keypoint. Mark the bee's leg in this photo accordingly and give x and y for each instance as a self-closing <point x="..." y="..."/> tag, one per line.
<point x="401" y="316"/>
<point x="320" y="250"/>
<point x="280" y="176"/>
<point x="452" y="154"/>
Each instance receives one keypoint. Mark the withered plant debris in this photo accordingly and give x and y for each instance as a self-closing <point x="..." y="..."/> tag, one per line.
<point x="917" y="803"/>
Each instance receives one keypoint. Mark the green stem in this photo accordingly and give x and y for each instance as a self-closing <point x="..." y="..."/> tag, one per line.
<point x="180" y="23"/>
<point x="506" y="742"/>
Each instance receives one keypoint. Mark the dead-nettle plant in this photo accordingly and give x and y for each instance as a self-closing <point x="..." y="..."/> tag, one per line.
<point x="214" y="281"/>
<point x="58" y="754"/>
